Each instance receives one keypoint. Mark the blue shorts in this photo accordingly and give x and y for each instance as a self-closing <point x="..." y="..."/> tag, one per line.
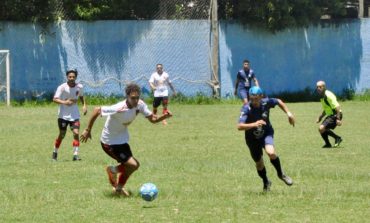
<point x="243" y="93"/>
<point x="256" y="145"/>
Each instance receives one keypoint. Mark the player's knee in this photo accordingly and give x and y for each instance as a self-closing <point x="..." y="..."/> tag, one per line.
<point x="259" y="164"/>
<point x="62" y="134"/>
<point x="322" y="129"/>
<point x="272" y="156"/>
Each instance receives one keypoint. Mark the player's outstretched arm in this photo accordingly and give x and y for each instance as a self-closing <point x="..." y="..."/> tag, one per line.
<point x="86" y="134"/>
<point x="154" y="119"/>
<point x="283" y="107"/>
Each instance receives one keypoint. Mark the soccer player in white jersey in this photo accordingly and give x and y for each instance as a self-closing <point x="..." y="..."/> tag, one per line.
<point x="67" y="96"/>
<point x="158" y="83"/>
<point x="114" y="137"/>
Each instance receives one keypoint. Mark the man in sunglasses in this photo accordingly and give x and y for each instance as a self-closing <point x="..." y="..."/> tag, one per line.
<point x="259" y="134"/>
<point x="114" y="137"/>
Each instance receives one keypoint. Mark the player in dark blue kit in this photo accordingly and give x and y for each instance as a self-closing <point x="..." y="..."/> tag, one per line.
<point x="244" y="82"/>
<point x="259" y="134"/>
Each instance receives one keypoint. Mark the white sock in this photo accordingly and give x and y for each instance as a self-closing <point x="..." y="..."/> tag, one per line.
<point x="75" y="150"/>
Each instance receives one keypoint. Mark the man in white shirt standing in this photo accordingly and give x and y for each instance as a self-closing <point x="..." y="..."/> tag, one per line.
<point x="67" y="96"/>
<point x="114" y="137"/>
<point x="158" y="83"/>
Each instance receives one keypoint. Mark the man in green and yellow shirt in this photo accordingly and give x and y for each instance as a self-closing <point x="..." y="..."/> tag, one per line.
<point x="333" y="113"/>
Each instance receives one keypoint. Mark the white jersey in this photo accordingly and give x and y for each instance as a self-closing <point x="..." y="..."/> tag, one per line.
<point x="115" y="130"/>
<point x="64" y="92"/>
<point x="160" y="81"/>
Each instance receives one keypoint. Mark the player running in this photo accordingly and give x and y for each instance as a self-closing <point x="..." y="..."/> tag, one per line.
<point x="158" y="83"/>
<point x="114" y="137"/>
<point x="259" y="134"/>
<point x="66" y="96"/>
<point x="333" y="113"/>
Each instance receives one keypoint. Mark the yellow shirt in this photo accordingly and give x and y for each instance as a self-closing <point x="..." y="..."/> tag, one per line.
<point x="330" y="103"/>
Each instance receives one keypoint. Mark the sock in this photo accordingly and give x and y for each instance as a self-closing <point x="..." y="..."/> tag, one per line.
<point x="75" y="144"/>
<point x="277" y="165"/>
<point x="332" y="134"/>
<point x="122" y="178"/>
<point x="325" y="137"/>
<point x="57" y="144"/>
<point x="262" y="174"/>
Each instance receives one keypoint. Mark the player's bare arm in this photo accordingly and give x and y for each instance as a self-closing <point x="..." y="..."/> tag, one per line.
<point x="339" y="115"/>
<point x="247" y="126"/>
<point x="84" y="106"/>
<point x="283" y="107"/>
<point x="67" y="102"/>
<point x="320" y="117"/>
<point x="172" y="88"/>
<point x="236" y="86"/>
<point x="256" y="82"/>
<point x="154" y="119"/>
<point x="152" y="86"/>
<point x="86" y="134"/>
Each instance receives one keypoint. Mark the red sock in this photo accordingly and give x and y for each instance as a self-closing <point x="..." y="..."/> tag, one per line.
<point x="76" y="143"/>
<point x="122" y="178"/>
<point x="57" y="143"/>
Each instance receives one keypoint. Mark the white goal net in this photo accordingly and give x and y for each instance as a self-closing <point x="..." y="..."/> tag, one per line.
<point x="5" y="76"/>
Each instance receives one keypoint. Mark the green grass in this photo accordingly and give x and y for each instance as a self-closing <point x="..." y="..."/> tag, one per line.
<point x="199" y="162"/>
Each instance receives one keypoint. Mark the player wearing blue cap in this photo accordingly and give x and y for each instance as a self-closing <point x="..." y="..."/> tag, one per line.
<point x="244" y="81"/>
<point x="259" y="133"/>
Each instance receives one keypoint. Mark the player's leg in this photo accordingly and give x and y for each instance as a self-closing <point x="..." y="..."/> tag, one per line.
<point x="332" y="124"/>
<point x="255" y="149"/>
<point x="165" y="110"/>
<point x="75" y="127"/>
<point x="275" y="160"/>
<point x="156" y="102"/>
<point x="122" y="153"/>
<point x="325" y="125"/>
<point x="243" y="94"/>
<point x="62" y="125"/>
<point x="126" y="169"/>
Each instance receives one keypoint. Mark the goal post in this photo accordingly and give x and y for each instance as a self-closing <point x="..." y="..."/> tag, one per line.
<point x="5" y="76"/>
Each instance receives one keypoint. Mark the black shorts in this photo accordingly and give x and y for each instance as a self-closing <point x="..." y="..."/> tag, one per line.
<point x="62" y="124"/>
<point x="330" y="122"/>
<point x="121" y="152"/>
<point x="256" y="146"/>
<point x="158" y="100"/>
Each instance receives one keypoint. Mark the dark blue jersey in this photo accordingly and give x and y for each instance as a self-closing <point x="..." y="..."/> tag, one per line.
<point x="250" y="114"/>
<point x="244" y="78"/>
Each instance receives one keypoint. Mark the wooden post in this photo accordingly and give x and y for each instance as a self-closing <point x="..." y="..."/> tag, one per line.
<point x="215" y="49"/>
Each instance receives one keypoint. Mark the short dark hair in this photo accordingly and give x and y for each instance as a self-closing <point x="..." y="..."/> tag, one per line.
<point x="72" y="71"/>
<point x="246" y="61"/>
<point x="132" y="87"/>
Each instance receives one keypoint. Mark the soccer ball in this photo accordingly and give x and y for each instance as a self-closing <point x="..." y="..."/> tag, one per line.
<point x="148" y="191"/>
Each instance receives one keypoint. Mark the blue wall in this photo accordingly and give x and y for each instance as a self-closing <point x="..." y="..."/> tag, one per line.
<point x="109" y="54"/>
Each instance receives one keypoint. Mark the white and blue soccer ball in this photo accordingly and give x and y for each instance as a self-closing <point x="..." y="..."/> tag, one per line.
<point x="148" y="191"/>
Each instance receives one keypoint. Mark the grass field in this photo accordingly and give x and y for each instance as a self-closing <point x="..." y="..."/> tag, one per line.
<point x="200" y="164"/>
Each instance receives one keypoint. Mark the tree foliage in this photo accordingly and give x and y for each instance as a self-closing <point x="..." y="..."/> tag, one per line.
<point x="272" y="14"/>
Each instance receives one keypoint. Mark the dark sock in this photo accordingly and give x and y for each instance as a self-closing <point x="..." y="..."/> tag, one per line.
<point x="262" y="174"/>
<point x="276" y="164"/>
<point x="325" y="137"/>
<point x="332" y="134"/>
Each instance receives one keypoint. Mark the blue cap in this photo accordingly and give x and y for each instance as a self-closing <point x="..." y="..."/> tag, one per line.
<point x="255" y="91"/>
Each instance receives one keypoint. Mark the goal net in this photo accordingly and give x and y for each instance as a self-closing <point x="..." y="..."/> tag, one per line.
<point x="4" y="76"/>
<point x="179" y="37"/>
